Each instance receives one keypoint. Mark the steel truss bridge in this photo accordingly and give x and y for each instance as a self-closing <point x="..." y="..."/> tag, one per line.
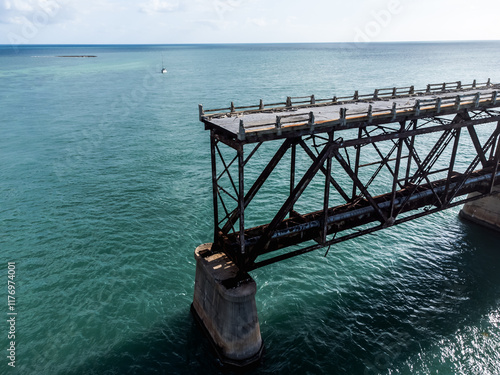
<point x="353" y="165"/>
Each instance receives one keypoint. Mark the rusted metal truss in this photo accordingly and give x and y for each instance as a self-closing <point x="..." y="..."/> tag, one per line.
<point x="348" y="181"/>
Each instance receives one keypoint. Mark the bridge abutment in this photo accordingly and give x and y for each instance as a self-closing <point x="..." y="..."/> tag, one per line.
<point x="224" y="306"/>
<point x="485" y="211"/>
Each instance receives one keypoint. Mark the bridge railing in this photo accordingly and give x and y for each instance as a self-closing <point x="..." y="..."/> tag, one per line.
<point x="473" y="100"/>
<point x="421" y="106"/>
<point x="312" y="101"/>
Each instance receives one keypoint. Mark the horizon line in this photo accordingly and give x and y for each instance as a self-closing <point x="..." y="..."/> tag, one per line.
<point x="240" y="43"/>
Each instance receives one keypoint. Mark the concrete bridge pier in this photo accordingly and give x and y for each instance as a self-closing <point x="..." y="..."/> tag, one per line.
<point x="224" y="306"/>
<point x="485" y="211"/>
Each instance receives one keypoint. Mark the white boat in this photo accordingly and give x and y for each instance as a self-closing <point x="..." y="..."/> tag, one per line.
<point x="163" y="69"/>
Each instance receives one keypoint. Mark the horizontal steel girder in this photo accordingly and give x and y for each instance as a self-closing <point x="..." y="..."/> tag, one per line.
<point x="309" y="226"/>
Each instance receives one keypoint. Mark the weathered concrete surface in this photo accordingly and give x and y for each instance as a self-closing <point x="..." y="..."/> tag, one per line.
<point x="484" y="211"/>
<point x="224" y="305"/>
<point x="328" y="114"/>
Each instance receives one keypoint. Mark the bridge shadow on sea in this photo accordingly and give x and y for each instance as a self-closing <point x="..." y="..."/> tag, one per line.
<point x="354" y="335"/>
<point x="173" y="346"/>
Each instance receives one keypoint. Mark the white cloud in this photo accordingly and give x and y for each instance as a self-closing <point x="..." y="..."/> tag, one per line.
<point x="11" y="11"/>
<point x="147" y="21"/>
<point x="23" y="6"/>
<point x="260" y="22"/>
<point x="159" y="6"/>
<point x="17" y="20"/>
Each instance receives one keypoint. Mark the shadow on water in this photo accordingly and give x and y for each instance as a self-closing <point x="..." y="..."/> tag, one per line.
<point x="376" y="328"/>
<point x="437" y="303"/>
<point x="372" y="330"/>
<point x="174" y="346"/>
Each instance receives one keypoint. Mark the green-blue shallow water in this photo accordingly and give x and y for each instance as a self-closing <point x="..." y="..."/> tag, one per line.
<point x="105" y="192"/>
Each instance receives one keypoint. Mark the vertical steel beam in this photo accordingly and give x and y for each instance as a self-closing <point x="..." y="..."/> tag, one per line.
<point x="495" y="141"/>
<point x="215" y="192"/>
<point x="410" y="153"/>
<point x="396" y="173"/>
<point x="358" y="157"/>
<point x="292" y="169"/>
<point x="492" y="152"/>
<point x="327" y="191"/>
<point x="452" y="165"/>
<point x="495" y="161"/>
<point x="241" y="197"/>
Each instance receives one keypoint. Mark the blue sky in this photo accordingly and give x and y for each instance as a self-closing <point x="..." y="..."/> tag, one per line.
<point x="245" y="21"/>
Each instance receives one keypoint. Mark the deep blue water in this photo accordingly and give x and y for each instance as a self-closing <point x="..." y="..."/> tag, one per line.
<point x="105" y="192"/>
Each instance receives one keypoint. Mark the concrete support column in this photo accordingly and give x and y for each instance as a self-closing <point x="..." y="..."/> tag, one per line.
<point x="224" y="306"/>
<point x="484" y="211"/>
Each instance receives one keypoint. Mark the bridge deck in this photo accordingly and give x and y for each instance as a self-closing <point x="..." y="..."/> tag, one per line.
<point x="316" y="116"/>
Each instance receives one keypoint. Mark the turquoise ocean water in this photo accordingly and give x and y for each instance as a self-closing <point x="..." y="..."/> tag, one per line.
<point x="105" y="191"/>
